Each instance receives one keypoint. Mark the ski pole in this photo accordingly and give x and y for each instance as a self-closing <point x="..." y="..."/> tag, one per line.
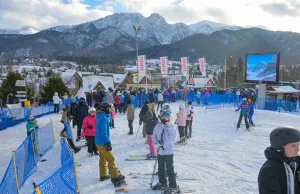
<point x="136" y="136"/>
<point x="154" y="168"/>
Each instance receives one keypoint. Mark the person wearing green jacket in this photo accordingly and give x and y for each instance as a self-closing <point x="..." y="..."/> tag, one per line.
<point x="30" y="126"/>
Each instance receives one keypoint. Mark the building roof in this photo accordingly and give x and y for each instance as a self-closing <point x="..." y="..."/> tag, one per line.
<point x="91" y="81"/>
<point x="202" y="83"/>
<point x="68" y="73"/>
<point x="282" y="89"/>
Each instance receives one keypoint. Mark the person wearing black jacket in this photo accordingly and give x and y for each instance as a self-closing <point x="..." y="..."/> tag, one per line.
<point x="142" y="115"/>
<point x="81" y="113"/>
<point x="150" y="121"/>
<point x="89" y="99"/>
<point x="126" y="100"/>
<point x="280" y="174"/>
<point x="151" y="97"/>
<point x="73" y="111"/>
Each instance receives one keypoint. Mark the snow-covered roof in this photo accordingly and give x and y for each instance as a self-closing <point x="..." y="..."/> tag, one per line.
<point x="68" y="73"/>
<point x="201" y="82"/>
<point x="81" y="73"/>
<point x="283" y="89"/>
<point x="90" y="81"/>
<point x="119" y="78"/>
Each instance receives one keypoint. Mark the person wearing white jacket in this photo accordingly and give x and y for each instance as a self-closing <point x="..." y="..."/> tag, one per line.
<point x="56" y="101"/>
<point x="160" y="100"/>
<point x="189" y="119"/>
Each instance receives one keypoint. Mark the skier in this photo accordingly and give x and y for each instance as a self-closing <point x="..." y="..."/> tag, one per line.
<point x="160" y="100"/>
<point x="244" y="107"/>
<point x="163" y="135"/>
<point x="142" y="115"/>
<point x="56" y="101"/>
<point x="117" y="100"/>
<point x="130" y="117"/>
<point x="89" y="99"/>
<point x="31" y="125"/>
<point x="104" y="147"/>
<point x="181" y="122"/>
<point x="73" y="111"/>
<point x="126" y="101"/>
<point x="150" y="120"/>
<point x="81" y="113"/>
<point x="280" y="173"/>
<point x="251" y="112"/>
<point x="89" y="130"/>
<point x="189" y="119"/>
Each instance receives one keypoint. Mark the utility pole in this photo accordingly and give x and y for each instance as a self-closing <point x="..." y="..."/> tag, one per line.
<point x="137" y="29"/>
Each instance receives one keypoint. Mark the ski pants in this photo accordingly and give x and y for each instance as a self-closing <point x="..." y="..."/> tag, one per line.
<point x="130" y="126"/>
<point x="240" y="120"/>
<point x="117" y="108"/>
<point x="121" y="107"/>
<point x="106" y="157"/>
<point x="188" y="125"/>
<point x="250" y="119"/>
<point x="91" y="144"/>
<point x="144" y="129"/>
<point x="79" y="126"/>
<point x="160" y="103"/>
<point x="112" y="123"/>
<point x="56" y="108"/>
<point x="151" y="145"/>
<point x="166" y="161"/>
<point x="181" y="131"/>
<point x="125" y="108"/>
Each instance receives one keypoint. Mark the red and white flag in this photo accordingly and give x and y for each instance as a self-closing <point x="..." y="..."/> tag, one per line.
<point x="202" y="66"/>
<point x="164" y="65"/>
<point x="184" y="65"/>
<point x="142" y="65"/>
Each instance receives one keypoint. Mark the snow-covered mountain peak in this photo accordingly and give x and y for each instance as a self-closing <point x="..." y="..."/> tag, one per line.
<point x="208" y="27"/>
<point x="24" y="30"/>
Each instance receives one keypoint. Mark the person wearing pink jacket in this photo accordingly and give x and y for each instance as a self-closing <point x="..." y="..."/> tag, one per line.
<point x="181" y="122"/>
<point x="89" y="131"/>
<point x="113" y="115"/>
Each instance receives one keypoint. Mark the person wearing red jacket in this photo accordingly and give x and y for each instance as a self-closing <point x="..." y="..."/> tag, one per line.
<point x="89" y="131"/>
<point x="117" y="103"/>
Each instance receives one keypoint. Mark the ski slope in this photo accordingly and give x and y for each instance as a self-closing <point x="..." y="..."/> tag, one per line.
<point x="218" y="159"/>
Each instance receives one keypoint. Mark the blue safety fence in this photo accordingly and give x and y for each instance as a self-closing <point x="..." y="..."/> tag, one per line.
<point x="65" y="179"/>
<point x="25" y="158"/>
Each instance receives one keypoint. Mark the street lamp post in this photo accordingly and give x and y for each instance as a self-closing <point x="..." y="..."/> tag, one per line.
<point x="137" y="29"/>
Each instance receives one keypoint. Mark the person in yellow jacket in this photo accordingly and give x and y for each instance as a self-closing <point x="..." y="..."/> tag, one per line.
<point x="130" y="117"/>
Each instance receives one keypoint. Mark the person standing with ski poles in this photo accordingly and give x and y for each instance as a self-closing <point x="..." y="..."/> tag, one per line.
<point x="163" y="136"/>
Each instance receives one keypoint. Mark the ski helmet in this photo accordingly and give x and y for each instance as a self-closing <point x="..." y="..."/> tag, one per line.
<point x="190" y="102"/>
<point x="166" y="108"/>
<point x="281" y="136"/>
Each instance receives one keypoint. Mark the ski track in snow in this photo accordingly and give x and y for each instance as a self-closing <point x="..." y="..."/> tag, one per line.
<point x="219" y="158"/>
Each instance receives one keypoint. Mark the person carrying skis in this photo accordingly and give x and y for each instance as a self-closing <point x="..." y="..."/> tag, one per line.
<point x="244" y="107"/>
<point x="102" y="140"/>
<point x="280" y="174"/>
<point x="150" y="120"/>
<point x="130" y="117"/>
<point x="142" y="114"/>
<point x="189" y="119"/>
<point x="81" y="113"/>
<point x="163" y="136"/>
<point x="181" y="122"/>
<point x="89" y="130"/>
<point x="251" y="112"/>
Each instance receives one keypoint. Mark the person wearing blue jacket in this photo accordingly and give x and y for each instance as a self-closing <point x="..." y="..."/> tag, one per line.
<point x="102" y="140"/>
<point x="251" y="112"/>
<point x="122" y="102"/>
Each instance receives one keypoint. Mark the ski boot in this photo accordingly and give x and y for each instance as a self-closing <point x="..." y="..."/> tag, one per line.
<point x="149" y="157"/>
<point x="96" y="153"/>
<point x="170" y="190"/>
<point x="119" y="181"/>
<point x="104" y="178"/>
<point x="159" y="186"/>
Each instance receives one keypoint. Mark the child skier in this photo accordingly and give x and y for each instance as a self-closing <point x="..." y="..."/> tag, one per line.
<point x="104" y="147"/>
<point x="251" y="112"/>
<point x="113" y="115"/>
<point x="189" y="119"/>
<point x="163" y="135"/>
<point x="244" y="107"/>
<point x="31" y="125"/>
<point x="181" y="122"/>
<point x="150" y="120"/>
<point x="130" y="117"/>
<point x="89" y="130"/>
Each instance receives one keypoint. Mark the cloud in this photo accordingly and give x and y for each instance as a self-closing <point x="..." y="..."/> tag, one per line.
<point x="47" y="13"/>
<point x="280" y="9"/>
<point x="218" y="14"/>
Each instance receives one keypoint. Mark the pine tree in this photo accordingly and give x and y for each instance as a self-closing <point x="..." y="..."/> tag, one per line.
<point x="8" y="84"/>
<point x="54" y="84"/>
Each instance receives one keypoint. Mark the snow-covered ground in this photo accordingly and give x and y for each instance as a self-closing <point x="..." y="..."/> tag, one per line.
<point x="218" y="159"/>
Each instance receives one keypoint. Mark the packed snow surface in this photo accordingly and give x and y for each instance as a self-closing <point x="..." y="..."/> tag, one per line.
<point x="218" y="159"/>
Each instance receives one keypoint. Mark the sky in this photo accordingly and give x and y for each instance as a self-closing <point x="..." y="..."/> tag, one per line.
<point x="283" y="15"/>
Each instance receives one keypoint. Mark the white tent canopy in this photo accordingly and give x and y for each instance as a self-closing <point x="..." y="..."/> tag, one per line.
<point x="283" y="89"/>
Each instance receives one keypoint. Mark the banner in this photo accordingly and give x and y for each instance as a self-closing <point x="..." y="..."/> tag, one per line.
<point x="142" y="65"/>
<point x="184" y="65"/>
<point x="164" y="65"/>
<point x="202" y="66"/>
<point x="191" y="81"/>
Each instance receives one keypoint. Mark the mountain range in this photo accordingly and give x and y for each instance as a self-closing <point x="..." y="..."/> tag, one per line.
<point x="113" y="37"/>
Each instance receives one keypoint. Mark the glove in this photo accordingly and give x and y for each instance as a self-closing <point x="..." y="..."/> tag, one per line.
<point x="158" y="145"/>
<point x="108" y="146"/>
<point x="189" y="115"/>
<point x="90" y="127"/>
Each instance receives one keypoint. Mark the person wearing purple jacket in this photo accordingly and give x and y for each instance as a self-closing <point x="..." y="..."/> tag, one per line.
<point x="244" y="107"/>
<point x="163" y="136"/>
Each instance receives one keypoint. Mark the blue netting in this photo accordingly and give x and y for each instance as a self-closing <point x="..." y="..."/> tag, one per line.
<point x="63" y="181"/>
<point x="8" y="184"/>
<point x="45" y="138"/>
